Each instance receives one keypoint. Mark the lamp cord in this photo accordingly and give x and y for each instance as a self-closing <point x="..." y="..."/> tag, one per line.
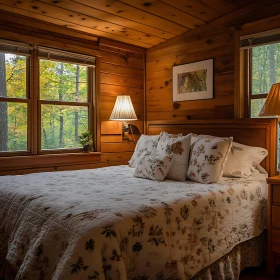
<point x="132" y="133"/>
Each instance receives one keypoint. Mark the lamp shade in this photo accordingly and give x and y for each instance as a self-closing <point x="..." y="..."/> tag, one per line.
<point x="123" y="109"/>
<point x="271" y="106"/>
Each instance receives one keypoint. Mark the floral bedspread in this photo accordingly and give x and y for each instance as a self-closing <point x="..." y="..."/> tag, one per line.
<point x="106" y="224"/>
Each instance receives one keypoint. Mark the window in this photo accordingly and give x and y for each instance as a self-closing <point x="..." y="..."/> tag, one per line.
<point x="14" y="94"/>
<point x="48" y="114"/>
<point x="264" y="72"/>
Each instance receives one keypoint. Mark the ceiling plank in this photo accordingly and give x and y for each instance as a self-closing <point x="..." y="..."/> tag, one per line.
<point x="163" y="10"/>
<point x="91" y="16"/>
<point x="131" y="13"/>
<point x="196" y="8"/>
<point x="32" y="24"/>
<point x="224" y="6"/>
<point x="45" y="12"/>
<point x="110" y="17"/>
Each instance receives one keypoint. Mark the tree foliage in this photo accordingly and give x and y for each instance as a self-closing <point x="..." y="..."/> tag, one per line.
<point x="265" y="72"/>
<point x="60" y="124"/>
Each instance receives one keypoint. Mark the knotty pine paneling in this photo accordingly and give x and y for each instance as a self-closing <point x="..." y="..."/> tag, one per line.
<point x="159" y="104"/>
<point x="121" y="72"/>
<point x="119" y="69"/>
<point x="216" y="40"/>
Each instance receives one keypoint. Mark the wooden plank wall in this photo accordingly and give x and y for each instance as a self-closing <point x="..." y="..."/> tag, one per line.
<point x="120" y="69"/>
<point x="121" y="72"/>
<point x="212" y="40"/>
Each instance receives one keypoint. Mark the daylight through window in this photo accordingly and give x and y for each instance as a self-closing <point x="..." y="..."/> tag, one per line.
<point x="62" y="99"/>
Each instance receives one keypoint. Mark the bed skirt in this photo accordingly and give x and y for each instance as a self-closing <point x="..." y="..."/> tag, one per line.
<point x="250" y="253"/>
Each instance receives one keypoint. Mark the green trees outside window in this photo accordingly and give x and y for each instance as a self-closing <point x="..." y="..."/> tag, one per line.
<point x="51" y="112"/>
<point x="13" y="114"/>
<point x="265" y="71"/>
<point x="61" y="125"/>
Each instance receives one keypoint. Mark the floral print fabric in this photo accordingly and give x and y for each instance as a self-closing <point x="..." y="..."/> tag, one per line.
<point x="180" y="147"/>
<point x="250" y="253"/>
<point x="153" y="166"/>
<point x="243" y="159"/>
<point x="146" y="144"/>
<point x="208" y="158"/>
<point x="106" y="224"/>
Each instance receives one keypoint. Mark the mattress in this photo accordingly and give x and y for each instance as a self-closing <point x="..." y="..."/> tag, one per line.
<point x="106" y="224"/>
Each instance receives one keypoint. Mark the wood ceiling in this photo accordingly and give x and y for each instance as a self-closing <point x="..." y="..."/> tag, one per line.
<point x="143" y="23"/>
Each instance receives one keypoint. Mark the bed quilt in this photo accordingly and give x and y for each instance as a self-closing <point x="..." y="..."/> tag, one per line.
<point x="106" y="224"/>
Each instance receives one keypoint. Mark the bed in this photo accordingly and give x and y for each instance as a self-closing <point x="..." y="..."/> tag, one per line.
<point x="107" y="224"/>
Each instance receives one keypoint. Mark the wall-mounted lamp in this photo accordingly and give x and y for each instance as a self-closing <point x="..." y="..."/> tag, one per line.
<point x="123" y="111"/>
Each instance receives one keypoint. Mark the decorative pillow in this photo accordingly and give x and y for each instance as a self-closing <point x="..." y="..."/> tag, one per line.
<point x="146" y="144"/>
<point x="242" y="160"/>
<point x="163" y="135"/>
<point x="208" y="158"/>
<point x="153" y="166"/>
<point x="180" y="147"/>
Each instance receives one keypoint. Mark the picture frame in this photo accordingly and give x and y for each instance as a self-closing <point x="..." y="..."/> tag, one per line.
<point x="193" y="81"/>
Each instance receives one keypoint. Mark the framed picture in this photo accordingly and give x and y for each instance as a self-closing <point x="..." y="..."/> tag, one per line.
<point x="193" y="81"/>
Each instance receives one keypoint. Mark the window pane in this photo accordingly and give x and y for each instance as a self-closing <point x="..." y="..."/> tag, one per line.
<point x="256" y="106"/>
<point x="265" y="67"/>
<point x="13" y="126"/>
<point x="61" y="126"/>
<point x="63" y="81"/>
<point x="12" y="75"/>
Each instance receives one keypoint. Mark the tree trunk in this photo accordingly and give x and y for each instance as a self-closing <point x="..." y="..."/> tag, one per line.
<point x="272" y="77"/>
<point x="76" y="99"/>
<point x="61" y="120"/>
<point x="3" y="106"/>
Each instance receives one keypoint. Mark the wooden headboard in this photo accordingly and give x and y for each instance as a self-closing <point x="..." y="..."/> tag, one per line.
<point x="261" y="132"/>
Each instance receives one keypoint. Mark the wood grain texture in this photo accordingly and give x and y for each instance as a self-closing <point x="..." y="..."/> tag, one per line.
<point x="119" y="69"/>
<point x="138" y="22"/>
<point x="276" y="216"/>
<point x="258" y="132"/>
<point x="121" y="72"/>
<point x="216" y="39"/>
<point x="276" y="241"/>
<point x="276" y="194"/>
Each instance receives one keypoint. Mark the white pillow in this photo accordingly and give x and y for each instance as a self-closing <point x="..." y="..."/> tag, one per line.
<point x="146" y="144"/>
<point x="180" y="147"/>
<point x="153" y="166"/>
<point x="243" y="160"/>
<point x="208" y="158"/>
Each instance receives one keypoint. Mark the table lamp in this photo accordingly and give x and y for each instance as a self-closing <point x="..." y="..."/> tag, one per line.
<point x="271" y="106"/>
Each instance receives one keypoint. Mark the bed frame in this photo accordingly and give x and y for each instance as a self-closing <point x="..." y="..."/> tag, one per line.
<point x="259" y="132"/>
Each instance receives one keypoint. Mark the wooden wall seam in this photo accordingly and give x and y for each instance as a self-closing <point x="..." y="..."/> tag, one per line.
<point x="119" y="69"/>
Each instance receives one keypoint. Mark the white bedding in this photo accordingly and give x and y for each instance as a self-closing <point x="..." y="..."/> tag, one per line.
<point x="106" y="224"/>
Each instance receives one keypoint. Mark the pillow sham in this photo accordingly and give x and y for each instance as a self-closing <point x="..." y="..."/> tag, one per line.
<point x="145" y="144"/>
<point x="208" y="158"/>
<point x="243" y="160"/>
<point x="153" y="166"/>
<point x="180" y="148"/>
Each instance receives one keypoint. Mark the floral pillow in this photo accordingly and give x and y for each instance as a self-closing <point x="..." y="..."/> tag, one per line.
<point x="180" y="147"/>
<point x="146" y="144"/>
<point x="243" y="160"/>
<point x="208" y="158"/>
<point x="153" y="166"/>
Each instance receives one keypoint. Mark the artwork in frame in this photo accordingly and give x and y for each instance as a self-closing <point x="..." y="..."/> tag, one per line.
<point x="193" y="81"/>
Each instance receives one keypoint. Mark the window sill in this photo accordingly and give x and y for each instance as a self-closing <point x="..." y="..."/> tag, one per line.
<point x="48" y="160"/>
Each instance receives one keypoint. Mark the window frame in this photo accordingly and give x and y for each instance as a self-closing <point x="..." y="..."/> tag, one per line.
<point x="34" y="104"/>
<point x="27" y="101"/>
<point x="252" y="96"/>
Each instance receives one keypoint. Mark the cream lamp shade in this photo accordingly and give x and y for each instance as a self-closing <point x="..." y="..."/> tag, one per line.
<point x="123" y="109"/>
<point x="271" y="106"/>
